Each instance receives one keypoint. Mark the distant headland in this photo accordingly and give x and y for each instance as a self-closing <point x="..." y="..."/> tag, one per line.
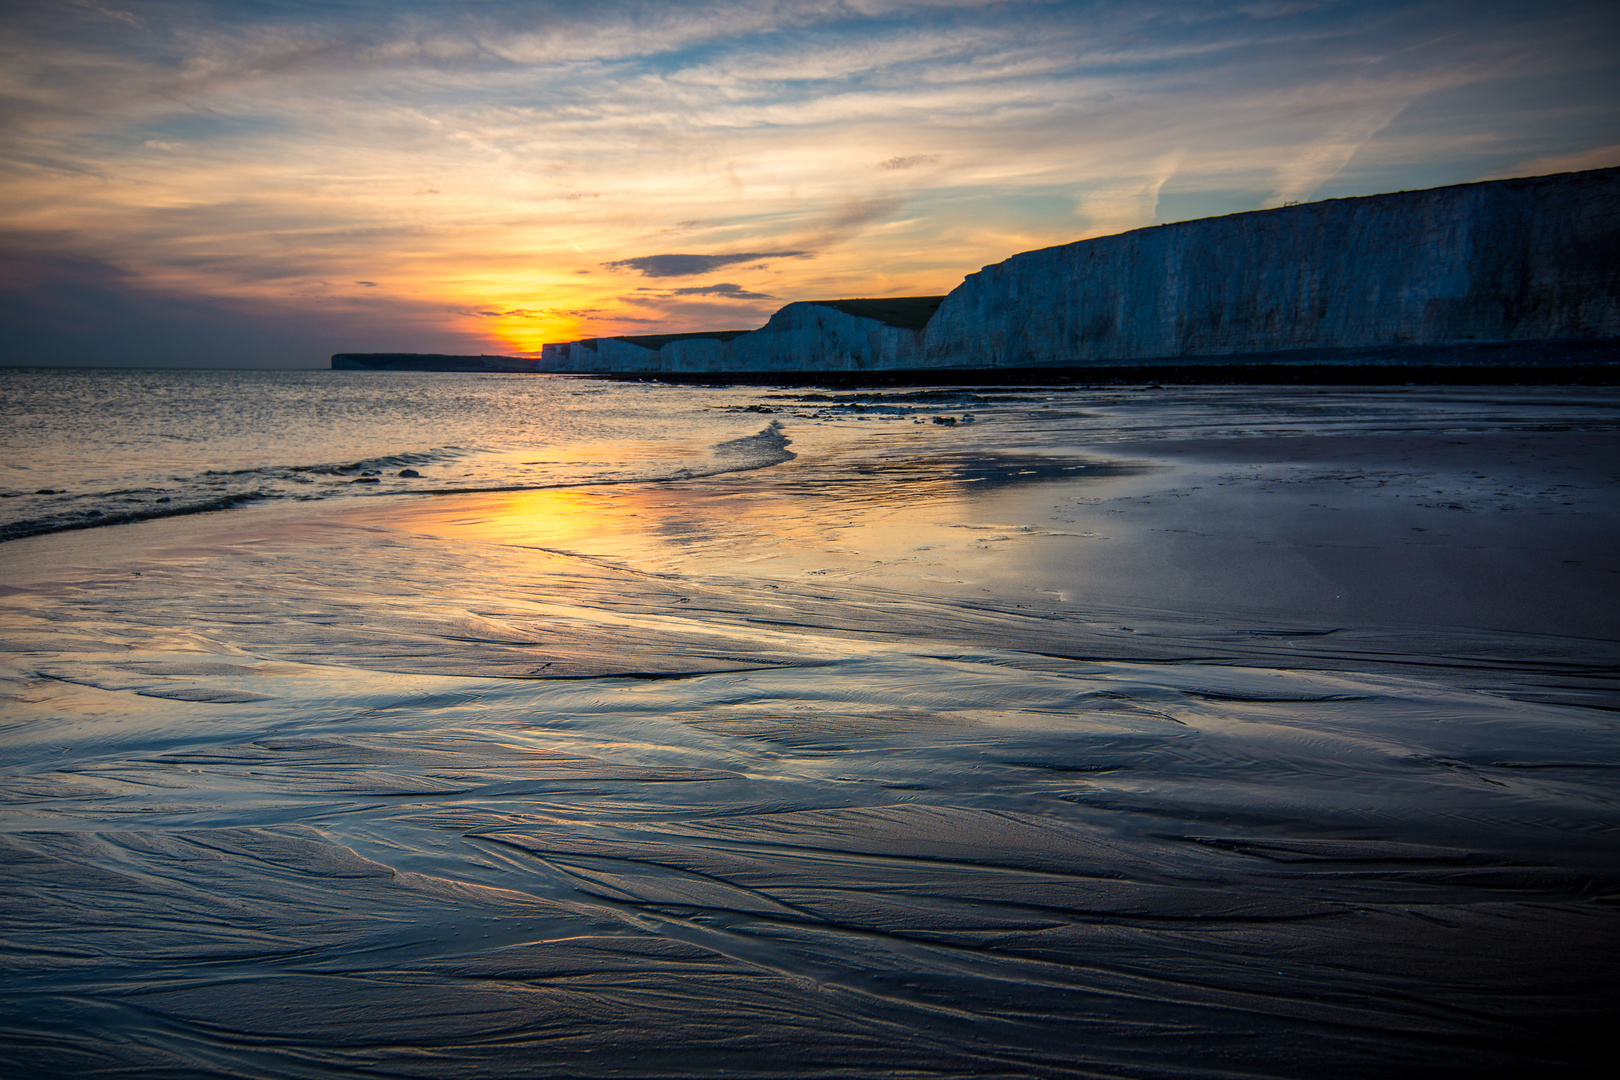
<point x="1505" y="274"/>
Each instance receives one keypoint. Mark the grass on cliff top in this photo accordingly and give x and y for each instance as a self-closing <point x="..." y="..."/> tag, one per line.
<point x="906" y="312"/>
<point x="658" y="341"/>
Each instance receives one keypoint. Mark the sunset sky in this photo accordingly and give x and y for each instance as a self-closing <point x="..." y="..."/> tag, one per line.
<point x="263" y="184"/>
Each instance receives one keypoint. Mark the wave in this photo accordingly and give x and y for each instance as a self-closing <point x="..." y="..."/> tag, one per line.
<point x="53" y="510"/>
<point x="767" y="447"/>
<point x="57" y="510"/>
<point x="95" y="519"/>
<point x="363" y="467"/>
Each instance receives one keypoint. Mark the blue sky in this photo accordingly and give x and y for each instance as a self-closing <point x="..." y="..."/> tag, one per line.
<point x="264" y="184"/>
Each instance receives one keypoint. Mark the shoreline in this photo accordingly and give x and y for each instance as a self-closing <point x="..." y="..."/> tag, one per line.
<point x="1499" y="363"/>
<point x="1397" y="489"/>
<point x="1378" y="530"/>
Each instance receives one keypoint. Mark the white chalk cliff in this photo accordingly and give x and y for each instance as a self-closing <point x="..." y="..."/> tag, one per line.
<point x="1526" y="260"/>
<point x="800" y="337"/>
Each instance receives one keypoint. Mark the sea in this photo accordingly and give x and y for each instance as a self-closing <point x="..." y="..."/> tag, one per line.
<point x="87" y="447"/>
<point x="444" y="725"/>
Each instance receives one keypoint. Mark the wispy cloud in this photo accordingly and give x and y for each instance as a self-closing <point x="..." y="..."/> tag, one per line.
<point x="726" y="289"/>
<point x="910" y="161"/>
<point x="692" y="265"/>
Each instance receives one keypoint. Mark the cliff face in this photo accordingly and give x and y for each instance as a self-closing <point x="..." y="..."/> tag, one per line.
<point x="800" y="337"/>
<point x="1510" y="260"/>
<point x="1504" y="261"/>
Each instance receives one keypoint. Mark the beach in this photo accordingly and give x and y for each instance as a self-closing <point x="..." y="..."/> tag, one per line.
<point x="922" y="731"/>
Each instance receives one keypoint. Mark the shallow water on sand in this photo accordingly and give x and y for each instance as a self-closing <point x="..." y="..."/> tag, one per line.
<point x="1167" y="732"/>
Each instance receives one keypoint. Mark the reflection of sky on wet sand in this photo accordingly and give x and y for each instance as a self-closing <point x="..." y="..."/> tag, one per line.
<point x="1304" y="541"/>
<point x="884" y="519"/>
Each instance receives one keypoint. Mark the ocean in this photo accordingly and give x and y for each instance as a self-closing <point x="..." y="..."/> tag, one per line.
<point x="86" y="446"/>
<point x="465" y="725"/>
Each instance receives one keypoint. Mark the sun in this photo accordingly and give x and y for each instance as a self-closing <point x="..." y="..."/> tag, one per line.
<point x="527" y="334"/>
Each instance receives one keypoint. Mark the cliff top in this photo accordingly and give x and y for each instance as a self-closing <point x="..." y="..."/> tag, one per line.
<point x="906" y="312"/>
<point x="658" y="341"/>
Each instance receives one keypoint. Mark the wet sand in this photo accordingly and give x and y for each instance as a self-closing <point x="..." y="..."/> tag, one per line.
<point x="1279" y="754"/>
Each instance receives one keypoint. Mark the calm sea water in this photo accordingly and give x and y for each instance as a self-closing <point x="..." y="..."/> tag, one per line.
<point x="666" y="731"/>
<point x="83" y="445"/>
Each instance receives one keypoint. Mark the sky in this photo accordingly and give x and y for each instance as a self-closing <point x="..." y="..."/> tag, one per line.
<point x="264" y="184"/>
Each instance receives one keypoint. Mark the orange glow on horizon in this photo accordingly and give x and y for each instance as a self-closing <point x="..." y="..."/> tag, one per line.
<point x="526" y="337"/>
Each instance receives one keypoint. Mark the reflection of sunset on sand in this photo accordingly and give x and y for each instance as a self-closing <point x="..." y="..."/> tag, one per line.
<point x="895" y="515"/>
<point x="1296" y="533"/>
